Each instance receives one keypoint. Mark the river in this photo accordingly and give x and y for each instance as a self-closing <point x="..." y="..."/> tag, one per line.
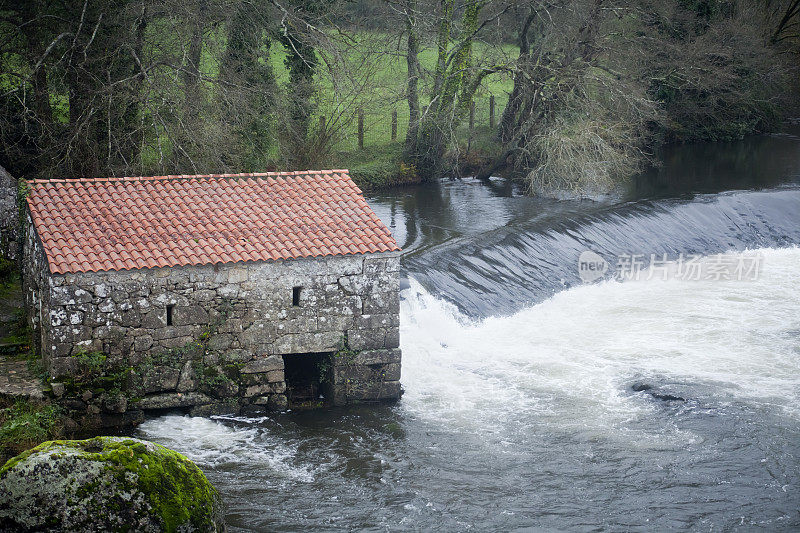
<point x="534" y="400"/>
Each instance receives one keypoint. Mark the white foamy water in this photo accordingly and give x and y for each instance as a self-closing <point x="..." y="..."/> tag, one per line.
<point x="570" y="360"/>
<point x="212" y="443"/>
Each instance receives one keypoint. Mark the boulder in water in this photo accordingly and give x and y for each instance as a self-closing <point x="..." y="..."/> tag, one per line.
<point x="106" y="484"/>
<point x="644" y="387"/>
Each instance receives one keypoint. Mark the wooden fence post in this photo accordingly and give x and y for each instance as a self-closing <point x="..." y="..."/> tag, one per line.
<point x="394" y="124"/>
<point x="491" y="111"/>
<point x="360" y="128"/>
<point x="472" y="116"/>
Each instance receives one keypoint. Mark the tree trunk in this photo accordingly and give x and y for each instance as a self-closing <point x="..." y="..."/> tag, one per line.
<point x="515" y="98"/>
<point x="248" y="90"/>
<point x="301" y="60"/>
<point x="128" y="132"/>
<point x="455" y="87"/>
<point x="412" y="60"/>
<point x="191" y="73"/>
<point x="442" y="45"/>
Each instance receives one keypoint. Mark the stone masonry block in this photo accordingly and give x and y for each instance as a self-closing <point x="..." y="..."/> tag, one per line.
<point x="273" y="376"/>
<point x="380" y="391"/>
<point x="171" y="400"/>
<point x="366" y="339"/>
<point x="263" y="364"/>
<point x="381" y="303"/>
<point x="373" y="265"/>
<point x="189" y="315"/>
<point x="266" y="388"/>
<point x="375" y="321"/>
<point x="377" y="357"/>
<point x="366" y="374"/>
<point x="392" y="338"/>
<point x="161" y="378"/>
<point x="308" y="343"/>
<point x="62" y="366"/>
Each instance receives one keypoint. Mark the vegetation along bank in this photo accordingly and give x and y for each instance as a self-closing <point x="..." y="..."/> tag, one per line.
<point x="569" y="96"/>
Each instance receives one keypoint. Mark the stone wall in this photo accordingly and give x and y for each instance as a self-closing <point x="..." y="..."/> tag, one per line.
<point x="231" y="326"/>
<point x="9" y="217"/>
<point x="35" y="289"/>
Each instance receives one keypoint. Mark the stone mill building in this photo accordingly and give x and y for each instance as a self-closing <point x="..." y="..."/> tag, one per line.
<point x="216" y="293"/>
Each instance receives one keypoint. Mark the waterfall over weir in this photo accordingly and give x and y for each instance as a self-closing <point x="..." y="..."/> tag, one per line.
<point x="522" y="263"/>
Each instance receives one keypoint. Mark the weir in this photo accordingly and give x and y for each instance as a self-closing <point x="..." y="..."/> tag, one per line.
<point x="527" y="261"/>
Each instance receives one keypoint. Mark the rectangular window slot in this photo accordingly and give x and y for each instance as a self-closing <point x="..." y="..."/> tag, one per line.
<point x="296" y="296"/>
<point x="169" y="314"/>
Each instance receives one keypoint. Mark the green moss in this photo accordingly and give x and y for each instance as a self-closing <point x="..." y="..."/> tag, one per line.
<point x="175" y="488"/>
<point x="211" y="377"/>
<point x="91" y="361"/>
<point x="374" y="174"/>
<point x="345" y="356"/>
<point x="379" y="167"/>
<point x="95" y="373"/>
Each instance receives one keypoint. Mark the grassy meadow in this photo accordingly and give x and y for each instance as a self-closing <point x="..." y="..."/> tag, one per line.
<point x="376" y="83"/>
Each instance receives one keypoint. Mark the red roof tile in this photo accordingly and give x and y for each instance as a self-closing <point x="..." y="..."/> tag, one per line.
<point x="128" y="223"/>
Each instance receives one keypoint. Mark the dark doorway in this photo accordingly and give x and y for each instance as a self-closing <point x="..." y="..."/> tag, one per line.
<point x="308" y="379"/>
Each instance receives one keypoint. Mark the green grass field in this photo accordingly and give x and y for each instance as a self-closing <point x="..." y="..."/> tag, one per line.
<point x="390" y="77"/>
<point x="383" y="78"/>
<point x="386" y="81"/>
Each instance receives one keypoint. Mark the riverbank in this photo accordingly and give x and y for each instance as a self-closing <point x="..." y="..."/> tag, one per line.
<point x="380" y="167"/>
<point x="383" y="167"/>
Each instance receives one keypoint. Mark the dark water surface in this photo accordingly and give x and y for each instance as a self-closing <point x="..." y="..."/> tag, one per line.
<point x="533" y="401"/>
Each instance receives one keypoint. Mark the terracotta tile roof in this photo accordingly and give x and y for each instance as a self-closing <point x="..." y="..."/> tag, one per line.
<point x="127" y="223"/>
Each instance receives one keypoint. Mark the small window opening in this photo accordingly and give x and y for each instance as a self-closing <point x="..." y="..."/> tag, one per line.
<point x="296" y="296"/>
<point x="169" y="314"/>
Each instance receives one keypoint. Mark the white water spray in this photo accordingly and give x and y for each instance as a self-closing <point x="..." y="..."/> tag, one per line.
<point x="217" y="445"/>
<point x="569" y="361"/>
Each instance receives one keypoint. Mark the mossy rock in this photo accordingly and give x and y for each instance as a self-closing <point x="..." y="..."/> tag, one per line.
<point x="106" y="484"/>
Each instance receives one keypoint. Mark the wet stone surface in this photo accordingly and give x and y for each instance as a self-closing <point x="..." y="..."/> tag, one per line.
<point x="17" y="381"/>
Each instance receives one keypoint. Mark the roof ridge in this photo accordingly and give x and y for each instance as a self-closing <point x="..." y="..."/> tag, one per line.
<point x="191" y="176"/>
